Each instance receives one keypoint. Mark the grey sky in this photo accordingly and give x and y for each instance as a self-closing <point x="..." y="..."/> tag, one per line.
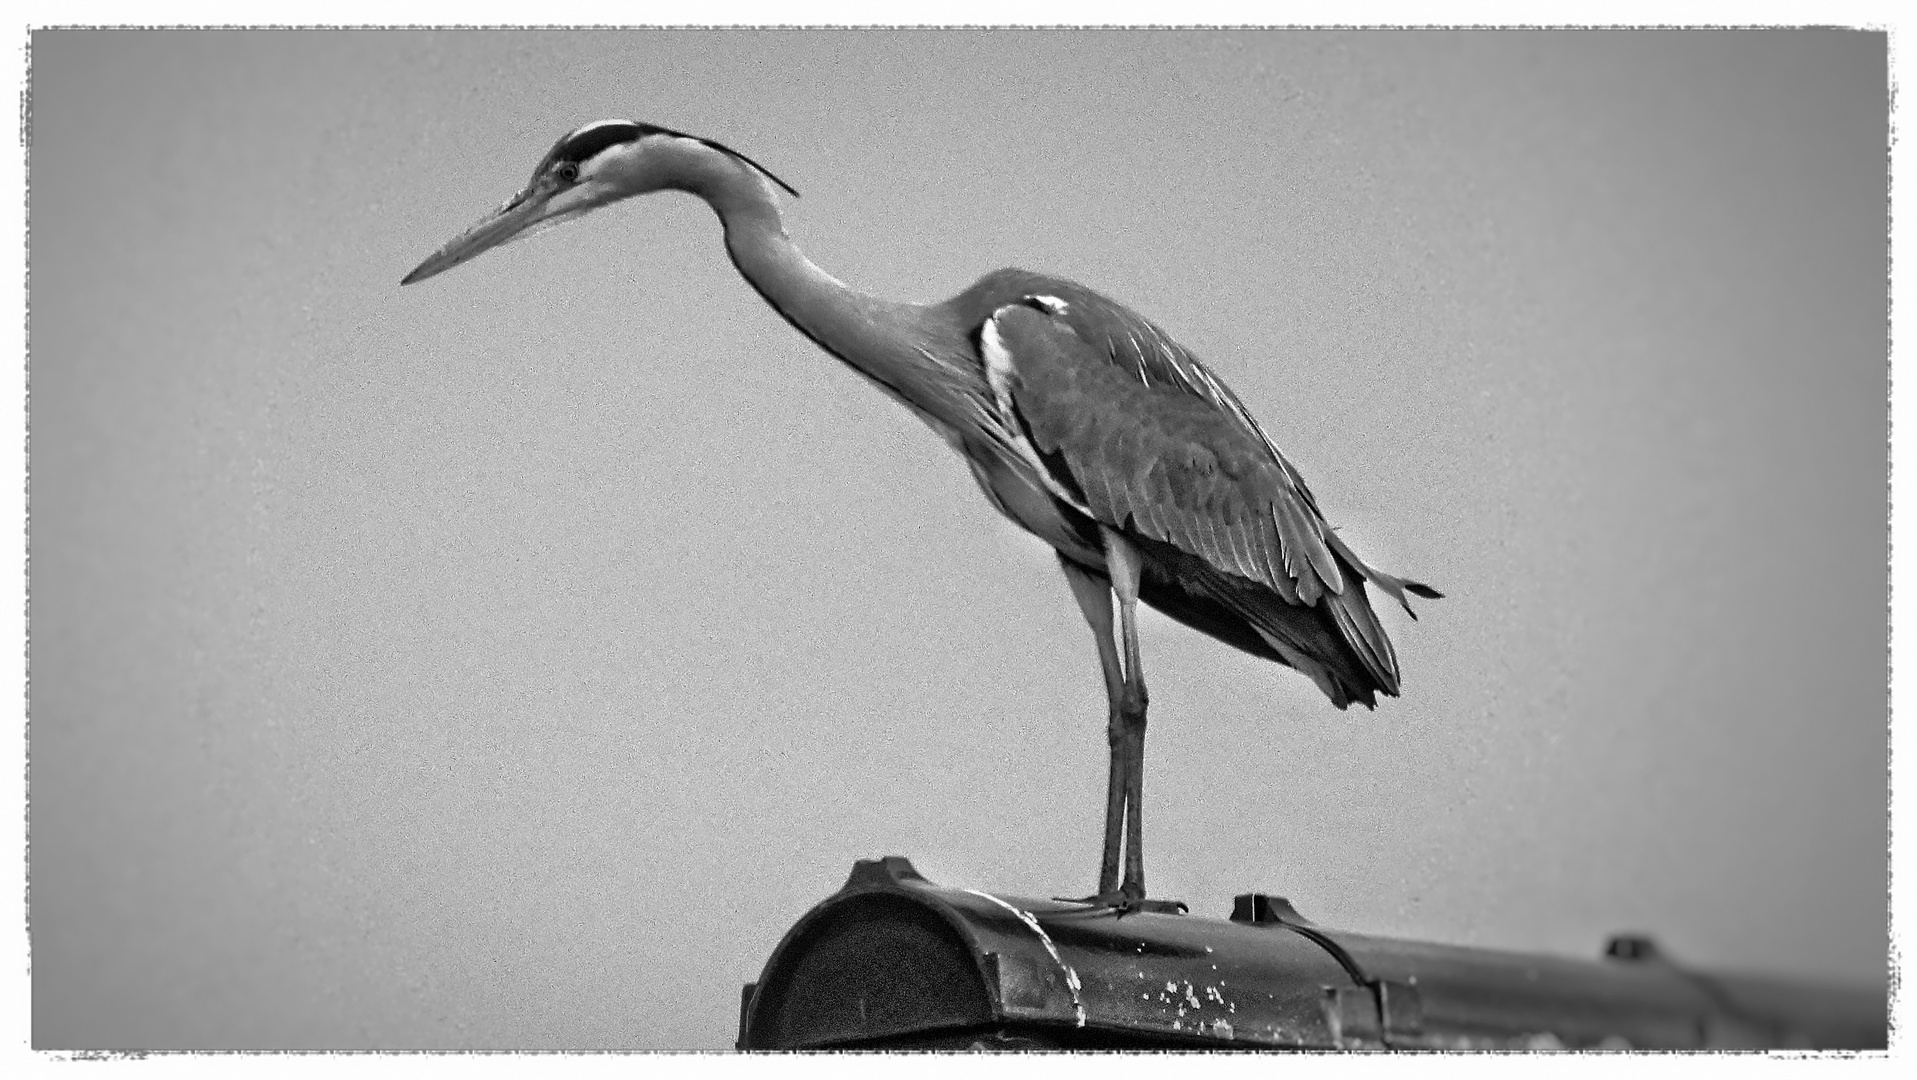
<point x="508" y="660"/>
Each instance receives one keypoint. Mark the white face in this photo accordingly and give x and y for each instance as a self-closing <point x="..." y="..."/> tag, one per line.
<point x="616" y="172"/>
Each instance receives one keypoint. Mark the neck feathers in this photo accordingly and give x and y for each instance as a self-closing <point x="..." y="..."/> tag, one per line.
<point x="884" y="340"/>
<point x="735" y="188"/>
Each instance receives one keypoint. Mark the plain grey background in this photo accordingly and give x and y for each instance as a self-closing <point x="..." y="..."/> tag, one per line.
<point x="508" y="660"/>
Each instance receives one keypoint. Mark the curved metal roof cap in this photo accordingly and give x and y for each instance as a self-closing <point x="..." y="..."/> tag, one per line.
<point x="977" y="959"/>
<point x="893" y="957"/>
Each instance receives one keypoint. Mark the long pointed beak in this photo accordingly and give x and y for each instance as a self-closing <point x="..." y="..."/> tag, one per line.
<point x="514" y="219"/>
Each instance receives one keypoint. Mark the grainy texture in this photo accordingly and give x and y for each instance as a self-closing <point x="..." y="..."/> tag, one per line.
<point x="509" y="659"/>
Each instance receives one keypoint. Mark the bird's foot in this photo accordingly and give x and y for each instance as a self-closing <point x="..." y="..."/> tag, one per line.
<point x="1125" y="903"/>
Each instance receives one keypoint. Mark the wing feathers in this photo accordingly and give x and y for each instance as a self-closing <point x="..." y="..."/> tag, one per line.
<point x="1157" y="458"/>
<point x="1154" y="444"/>
<point x="1297" y="635"/>
<point x="1358" y="624"/>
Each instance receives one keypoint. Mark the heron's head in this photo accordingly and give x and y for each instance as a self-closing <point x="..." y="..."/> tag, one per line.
<point x="600" y="163"/>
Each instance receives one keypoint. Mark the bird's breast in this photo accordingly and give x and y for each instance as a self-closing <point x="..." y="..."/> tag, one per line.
<point x="1018" y="494"/>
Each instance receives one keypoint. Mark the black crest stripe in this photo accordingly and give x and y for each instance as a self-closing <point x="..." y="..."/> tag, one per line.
<point x="580" y="146"/>
<point x="583" y="144"/>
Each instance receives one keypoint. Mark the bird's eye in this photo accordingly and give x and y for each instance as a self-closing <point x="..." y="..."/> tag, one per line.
<point x="568" y="171"/>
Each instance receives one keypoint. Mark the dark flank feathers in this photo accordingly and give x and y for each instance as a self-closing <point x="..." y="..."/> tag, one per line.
<point x="1161" y="449"/>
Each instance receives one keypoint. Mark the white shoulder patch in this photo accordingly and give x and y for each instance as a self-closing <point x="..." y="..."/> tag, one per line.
<point x="998" y="359"/>
<point x="998" y="363"/>
<point x="1000" y="371"/>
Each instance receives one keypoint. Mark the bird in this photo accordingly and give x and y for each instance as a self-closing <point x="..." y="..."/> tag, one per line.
<point x="1081" y="421"/>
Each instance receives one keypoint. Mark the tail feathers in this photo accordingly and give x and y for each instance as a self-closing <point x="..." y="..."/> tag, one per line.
<point x="1338" y="642"/>
<point x="1302" y="640"/>
<point x="1358" y="624"/>
<point x="1396" y="586"/>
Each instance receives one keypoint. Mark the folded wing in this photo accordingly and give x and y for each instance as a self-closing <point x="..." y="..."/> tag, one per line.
<point x="1131" y="430"/>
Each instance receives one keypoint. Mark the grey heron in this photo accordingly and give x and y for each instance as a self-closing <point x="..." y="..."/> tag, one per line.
<point x="1082" y="421"/>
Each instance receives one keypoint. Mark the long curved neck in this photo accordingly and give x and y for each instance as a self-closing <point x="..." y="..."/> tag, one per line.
<point x="885" y="340"/>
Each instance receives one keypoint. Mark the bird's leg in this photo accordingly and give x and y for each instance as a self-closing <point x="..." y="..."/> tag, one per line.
<point x="1123" y="563"/>
<point x="1094" y="596"/>
<point x="1125" y="692"/>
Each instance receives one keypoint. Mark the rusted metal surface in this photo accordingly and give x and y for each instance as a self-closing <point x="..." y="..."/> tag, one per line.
<point x="895" y="960"/>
